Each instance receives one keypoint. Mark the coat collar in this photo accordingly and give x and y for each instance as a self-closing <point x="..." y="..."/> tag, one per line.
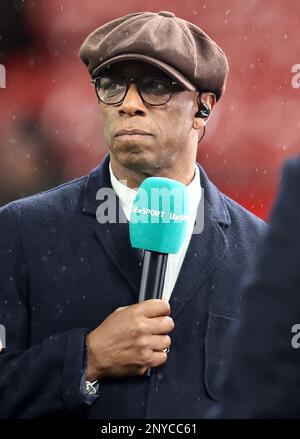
<point x="204" y="252"/>
<point x="99" y="177"/>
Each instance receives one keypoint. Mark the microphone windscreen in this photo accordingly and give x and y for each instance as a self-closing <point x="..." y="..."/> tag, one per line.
<point x="159" y="216"/>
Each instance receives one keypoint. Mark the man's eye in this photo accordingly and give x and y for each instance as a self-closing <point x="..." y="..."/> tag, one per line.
<point x="110" y="84"/>
<point x="156" y="86"/>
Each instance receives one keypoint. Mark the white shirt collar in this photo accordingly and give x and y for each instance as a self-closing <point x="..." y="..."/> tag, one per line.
<point x="127" y="194"/>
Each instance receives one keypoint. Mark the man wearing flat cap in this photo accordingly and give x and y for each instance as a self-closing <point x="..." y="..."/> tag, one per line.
<point x="78" y="343"/>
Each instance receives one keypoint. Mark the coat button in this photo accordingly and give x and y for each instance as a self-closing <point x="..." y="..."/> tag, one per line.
<point x="167" y="14"/>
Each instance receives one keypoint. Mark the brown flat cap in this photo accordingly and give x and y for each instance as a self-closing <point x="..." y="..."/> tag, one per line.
<point x="172" y="44"/>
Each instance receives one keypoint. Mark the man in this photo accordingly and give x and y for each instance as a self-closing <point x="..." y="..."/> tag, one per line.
<point x="78" y="343"/>
<point x="263" y="374"/>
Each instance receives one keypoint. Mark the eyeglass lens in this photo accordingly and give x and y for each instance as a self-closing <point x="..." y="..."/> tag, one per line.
<point x="155" y="91"/>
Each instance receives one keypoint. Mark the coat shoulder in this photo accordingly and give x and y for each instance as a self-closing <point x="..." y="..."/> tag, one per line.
<point x="61" y="199"/>
<point x="244" y="220"/>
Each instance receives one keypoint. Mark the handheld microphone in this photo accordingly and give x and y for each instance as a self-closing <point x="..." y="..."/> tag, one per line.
<point x="158" y="225"/>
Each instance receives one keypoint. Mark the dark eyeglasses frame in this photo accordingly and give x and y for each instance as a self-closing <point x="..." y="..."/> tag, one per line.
<point x="134" y="81"/>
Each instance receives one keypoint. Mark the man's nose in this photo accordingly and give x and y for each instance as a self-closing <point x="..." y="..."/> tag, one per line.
<point x="132" y="103"/>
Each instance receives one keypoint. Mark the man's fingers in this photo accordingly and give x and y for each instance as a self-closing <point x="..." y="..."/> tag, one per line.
<point x="159" y="358"/>
<point x="160" y="342"/>
<point x="155" y="308"/>
<point x="161" y="325"/>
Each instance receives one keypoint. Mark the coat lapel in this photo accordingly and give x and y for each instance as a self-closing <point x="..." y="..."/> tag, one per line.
<point x="113" y="237"/>
<point x="205" y="250"/>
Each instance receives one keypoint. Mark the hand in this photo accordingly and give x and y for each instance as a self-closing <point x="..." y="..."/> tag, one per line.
<point x="130" y="340"/>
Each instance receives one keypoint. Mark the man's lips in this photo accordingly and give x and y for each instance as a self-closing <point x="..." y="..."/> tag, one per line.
<point x="132" y="132"/>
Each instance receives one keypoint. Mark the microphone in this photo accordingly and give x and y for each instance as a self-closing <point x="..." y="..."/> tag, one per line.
<point x="158" y="225"/>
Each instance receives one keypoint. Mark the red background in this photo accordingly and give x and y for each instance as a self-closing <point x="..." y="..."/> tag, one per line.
<point x="50" y="129"/>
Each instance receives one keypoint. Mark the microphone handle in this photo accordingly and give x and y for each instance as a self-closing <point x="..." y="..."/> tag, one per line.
<point x="153" y="275"/>
<point x="153" y="278"/>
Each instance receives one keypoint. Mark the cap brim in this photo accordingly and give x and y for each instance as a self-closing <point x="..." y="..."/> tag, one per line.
<point x="175" y="74"/>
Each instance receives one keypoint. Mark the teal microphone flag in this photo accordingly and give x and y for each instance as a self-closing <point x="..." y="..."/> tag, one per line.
<point x="159" y="216"/>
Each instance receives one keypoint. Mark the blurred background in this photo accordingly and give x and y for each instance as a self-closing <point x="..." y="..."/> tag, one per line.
<point x="50" y="128"/>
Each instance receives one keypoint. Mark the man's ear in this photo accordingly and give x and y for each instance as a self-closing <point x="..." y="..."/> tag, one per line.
<point x="209" y="100"/>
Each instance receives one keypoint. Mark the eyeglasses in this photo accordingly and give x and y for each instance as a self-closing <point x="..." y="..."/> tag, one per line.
<point x="111" y="90"/>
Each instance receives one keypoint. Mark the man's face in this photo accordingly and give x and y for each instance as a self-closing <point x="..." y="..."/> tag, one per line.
<point x="170" y="132"/>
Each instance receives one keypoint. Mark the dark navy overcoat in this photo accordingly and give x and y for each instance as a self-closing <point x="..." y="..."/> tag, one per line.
<point x="62" y="273"/>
